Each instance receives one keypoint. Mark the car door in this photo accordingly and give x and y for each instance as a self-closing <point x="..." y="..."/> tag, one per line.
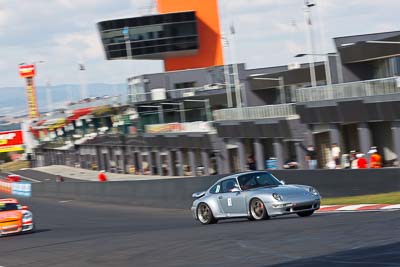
<point x="232" y="203"/>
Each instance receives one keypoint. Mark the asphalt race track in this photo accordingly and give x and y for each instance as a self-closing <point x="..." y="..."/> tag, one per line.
<point x="87" y="234"/>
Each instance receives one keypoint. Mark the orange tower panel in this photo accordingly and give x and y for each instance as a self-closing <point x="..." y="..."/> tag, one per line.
<point x="210" y="47"/>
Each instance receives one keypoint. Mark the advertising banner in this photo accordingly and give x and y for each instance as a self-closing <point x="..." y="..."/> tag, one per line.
<point x="11" y="141"/>
<point x="176" y="127"/>
<point x="27" y="71"/>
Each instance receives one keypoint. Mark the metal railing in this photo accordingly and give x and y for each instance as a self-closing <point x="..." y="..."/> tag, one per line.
<point x="257" y="112"/>
<point x="347" y="90"/>
<point x="180" y="93"/>
<point x="109" y="101"/>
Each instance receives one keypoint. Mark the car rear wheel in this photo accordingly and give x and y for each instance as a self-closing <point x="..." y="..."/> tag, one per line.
<point x="257" y="210"/>
<point x="205" y="215"/>
<point x="305" y="213"/>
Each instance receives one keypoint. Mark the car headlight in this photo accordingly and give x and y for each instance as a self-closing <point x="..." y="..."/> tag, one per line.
<point x="27" y="217"/>
<point x="277" y="196"/>
<point x="313" y="191"/>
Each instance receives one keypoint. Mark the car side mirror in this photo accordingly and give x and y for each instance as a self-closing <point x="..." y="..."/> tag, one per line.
<point x="283" y="182"/>
<point x="235" y="189"/>
<point x="25" y="208"/>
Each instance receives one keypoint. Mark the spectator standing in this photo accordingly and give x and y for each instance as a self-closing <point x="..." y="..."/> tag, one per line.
<point x="102" y="176"/>
<point x="251" y="163"/>
<point x="375" y="158"/>
<point x="353" y="159"/>
<point x="311" y="157"/>
<point x="362" y="162"/>
<point x="335" y="152"/>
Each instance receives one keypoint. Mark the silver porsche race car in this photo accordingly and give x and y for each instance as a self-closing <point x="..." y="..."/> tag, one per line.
<point x="256" y="195"/>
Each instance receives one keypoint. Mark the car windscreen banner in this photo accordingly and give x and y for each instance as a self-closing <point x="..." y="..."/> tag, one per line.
<point x="11" y="141"/>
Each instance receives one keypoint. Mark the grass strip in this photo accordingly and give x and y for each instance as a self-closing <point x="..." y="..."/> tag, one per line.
<point x="386" y="198"/>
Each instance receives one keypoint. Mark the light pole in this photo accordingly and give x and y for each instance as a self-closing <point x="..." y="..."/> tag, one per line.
<point x="310" y="38"/>
<point x="82" y="69"/>
<point x="181" y="110"/>
<point x="235" y="69"/>
<point x="225" y="43"/>
<point x="281" y="81"/>
<point x="48" y="97"/>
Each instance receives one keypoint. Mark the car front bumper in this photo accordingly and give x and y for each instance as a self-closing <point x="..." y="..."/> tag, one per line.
<point x="276" y="209"/>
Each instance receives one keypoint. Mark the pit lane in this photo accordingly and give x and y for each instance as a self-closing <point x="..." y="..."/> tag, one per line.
<point x="73" y="233"/>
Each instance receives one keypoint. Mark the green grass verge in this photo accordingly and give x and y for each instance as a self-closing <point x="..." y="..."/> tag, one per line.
<point x="387" y="198"/>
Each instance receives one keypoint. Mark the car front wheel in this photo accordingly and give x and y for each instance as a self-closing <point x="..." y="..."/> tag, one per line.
<point x="258" y="210"/>
<point x="205" y="215"/>
<point x="305" y="213"/>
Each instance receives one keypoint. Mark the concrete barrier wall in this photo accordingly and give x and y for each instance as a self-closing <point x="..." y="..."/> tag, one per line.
<point x="176" y="193"/>
<point x="344" y="182"/>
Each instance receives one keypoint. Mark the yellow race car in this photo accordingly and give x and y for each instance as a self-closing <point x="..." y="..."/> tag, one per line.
<point x="14" y="218"/>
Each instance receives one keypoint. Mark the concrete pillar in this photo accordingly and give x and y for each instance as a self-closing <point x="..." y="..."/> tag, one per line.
<point x="192" y="161"/>
<point x="205" y="162"/>
<point x="159" y="162"/>
<point x="140" y="160"/>
<point x="108" y="160"/>
<point x="98" y="158"/>
<point x="179" y="157"/>
<point x="223" y="160"/>
<point x="364" y="137"/>
<point x="241" y="156"/>
<point x="259" y="154"/>
<point x="334" y="134"/>
<point x="150" y="160"/>
<point x="278" y="152"/>
<point x="396" y="139"/>
<point x="301" y="156"/>
<point x="171" y="164"/>
<point x="124" y="160"/>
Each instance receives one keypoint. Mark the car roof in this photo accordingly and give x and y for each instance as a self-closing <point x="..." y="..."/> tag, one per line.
<point x="236" y="175"/>
<point x="8" y="200"/>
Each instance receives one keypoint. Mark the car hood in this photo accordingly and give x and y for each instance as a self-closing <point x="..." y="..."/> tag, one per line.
<point x="287" y="191"/>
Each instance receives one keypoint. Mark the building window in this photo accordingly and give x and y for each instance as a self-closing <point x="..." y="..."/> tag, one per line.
<point x="137" y="92"/>
<point x="185" y="85"/>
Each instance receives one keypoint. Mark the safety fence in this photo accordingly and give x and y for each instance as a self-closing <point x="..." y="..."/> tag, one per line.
<point x="257" y="112"/>
<point x="384" y="86"/>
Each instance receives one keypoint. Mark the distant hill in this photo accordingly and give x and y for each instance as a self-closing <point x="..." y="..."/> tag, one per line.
<point x="13" y="99"/>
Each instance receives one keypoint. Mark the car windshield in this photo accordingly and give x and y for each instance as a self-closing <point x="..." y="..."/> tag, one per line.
<point x="257" y="179"/>
<point x="8" y="206"/>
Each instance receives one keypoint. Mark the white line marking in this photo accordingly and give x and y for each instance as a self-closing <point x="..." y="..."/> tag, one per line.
<point x="391" y="207"/>
<point x="26" y="178"/>
<point x="353" y="207"/>
<point x="63" y="201"/>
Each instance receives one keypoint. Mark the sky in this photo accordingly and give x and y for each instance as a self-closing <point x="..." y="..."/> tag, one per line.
<point x="63" y="33"/>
